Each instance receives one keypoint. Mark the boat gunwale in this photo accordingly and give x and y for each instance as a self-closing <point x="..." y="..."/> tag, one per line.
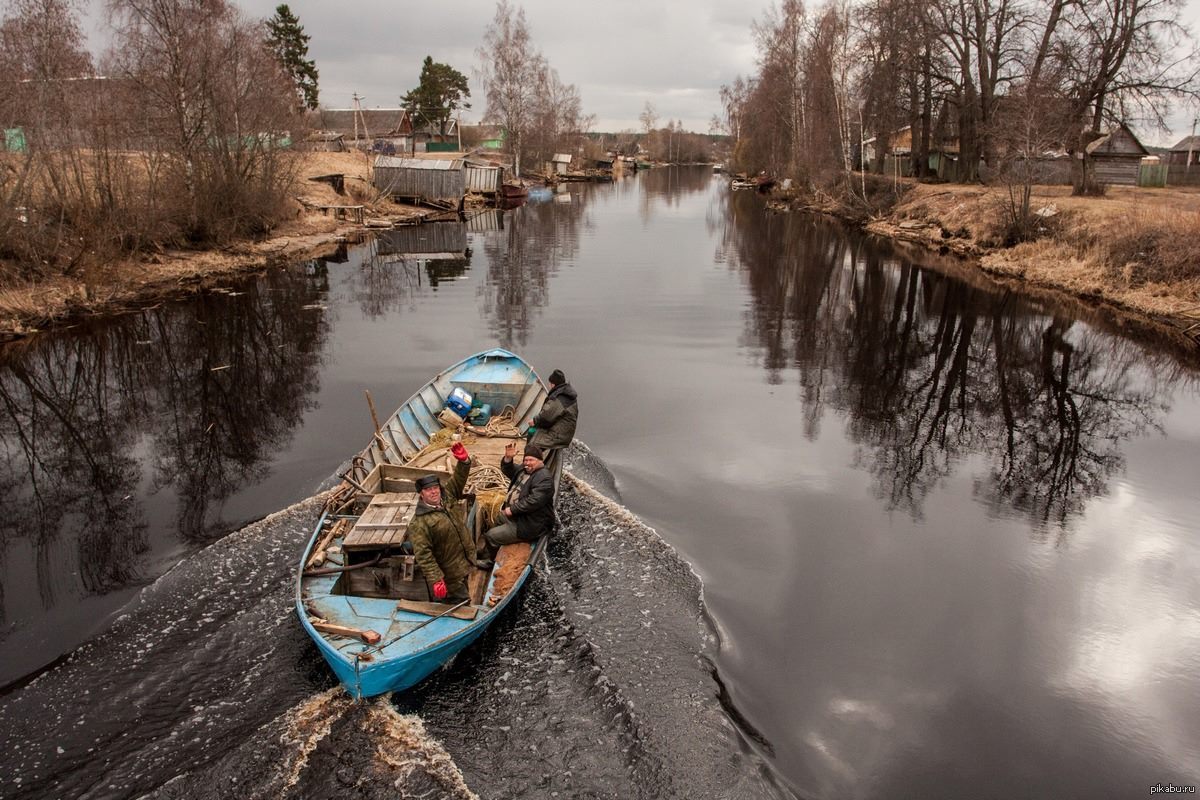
<point x="473" y="627"/>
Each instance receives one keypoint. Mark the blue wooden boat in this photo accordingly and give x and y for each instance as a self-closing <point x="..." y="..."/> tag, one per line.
<point x="359" y="594"/>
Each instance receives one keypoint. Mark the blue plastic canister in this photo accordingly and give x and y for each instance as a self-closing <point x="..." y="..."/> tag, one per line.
<point x="459" y="402"/>
<point x="481" y="415"/>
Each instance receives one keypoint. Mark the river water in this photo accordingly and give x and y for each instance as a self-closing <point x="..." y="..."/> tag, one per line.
<point x="840" y="525"/>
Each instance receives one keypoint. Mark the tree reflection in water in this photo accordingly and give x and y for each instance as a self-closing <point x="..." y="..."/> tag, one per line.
<point x="668" y="186"/>
<point x="930" y="369"/>
<point x="536" y="240"/>
<point x="183" y="403"/>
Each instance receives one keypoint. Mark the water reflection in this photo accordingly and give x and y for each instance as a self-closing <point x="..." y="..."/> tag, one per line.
<point x="395" y="265"/>
<point x="667" y="187"/>
<point x="533" y="243"/>
<point x="121" y="445"/>
<point x="933" y="369"/>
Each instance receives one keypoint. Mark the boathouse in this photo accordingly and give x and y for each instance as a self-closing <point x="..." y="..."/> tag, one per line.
<point x="482" y="177"/>
<point x="439" y="182"/>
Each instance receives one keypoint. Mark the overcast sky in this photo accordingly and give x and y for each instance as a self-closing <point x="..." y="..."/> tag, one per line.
<point x="621" y="53"/>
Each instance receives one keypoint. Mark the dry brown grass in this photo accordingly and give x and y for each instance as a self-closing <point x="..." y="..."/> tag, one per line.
<point x="117" y="285"/>
<point x="1133" y="247"/>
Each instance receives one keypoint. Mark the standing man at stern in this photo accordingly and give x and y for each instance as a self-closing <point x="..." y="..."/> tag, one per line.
<point x="438" y="532"/>
<point x="554" y="426"/>
<point x="528" y="510"/>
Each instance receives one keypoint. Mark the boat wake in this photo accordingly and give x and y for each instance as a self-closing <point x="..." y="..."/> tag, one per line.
<point x="330" y="746"/>
<point x="596" y="683"/>
<point x="599" y="684"/>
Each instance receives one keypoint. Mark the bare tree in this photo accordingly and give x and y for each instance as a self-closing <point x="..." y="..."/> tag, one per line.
<point x="211" y="97"/>
<point x="511" y="70"/>
<point x="648" y="117"/>
<point x="45" y="66"/>
<point x="558" y="118"/>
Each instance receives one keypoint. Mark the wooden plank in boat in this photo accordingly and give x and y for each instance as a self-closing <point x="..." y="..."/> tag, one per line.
<point x="384" y="523"/>
<point x="477" y="584"/>
<point x="436" y="609"/>
<point x="362" y="634"/>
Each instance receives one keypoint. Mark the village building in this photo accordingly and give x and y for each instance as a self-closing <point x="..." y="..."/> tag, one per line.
<point x="560" y="163"/>
<point x="1116" y="157"/>
<point x="1186" y="153"/>
<point x="385" y="130"/>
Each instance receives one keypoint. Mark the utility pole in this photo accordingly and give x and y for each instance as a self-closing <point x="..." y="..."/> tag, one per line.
<point x="1191" y="146"/>
<point x="358" y="115"/>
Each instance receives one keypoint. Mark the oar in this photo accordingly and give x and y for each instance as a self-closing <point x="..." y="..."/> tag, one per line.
<point x="452" y="608"/>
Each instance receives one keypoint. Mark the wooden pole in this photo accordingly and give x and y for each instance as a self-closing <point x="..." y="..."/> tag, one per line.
<point x="371" y="405"/>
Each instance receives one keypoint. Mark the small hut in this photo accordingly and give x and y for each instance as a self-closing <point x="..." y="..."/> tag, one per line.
<point x="560" y="163"/>
<point x="1117" y="157"/>
<point x="325" y="142"/>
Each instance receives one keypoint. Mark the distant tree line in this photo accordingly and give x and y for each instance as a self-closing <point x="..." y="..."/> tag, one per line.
<point x="998" y="76"/>
<point x="174" y="137"/>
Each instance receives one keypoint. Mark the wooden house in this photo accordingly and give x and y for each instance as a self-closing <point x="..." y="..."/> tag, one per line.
<point x="1186" y="153"/>
<point x="379" y="129"/>
<point x="1116" y="157"/>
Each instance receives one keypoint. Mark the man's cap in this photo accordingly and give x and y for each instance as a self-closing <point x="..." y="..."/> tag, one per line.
<point x="425" y="481"/>
<point x="557" y="377"/>
<point x="533" y="450"/>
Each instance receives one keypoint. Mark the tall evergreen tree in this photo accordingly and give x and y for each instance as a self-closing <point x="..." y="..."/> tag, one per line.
<point x="288" y="41"/>
<point x="441" y="91"/>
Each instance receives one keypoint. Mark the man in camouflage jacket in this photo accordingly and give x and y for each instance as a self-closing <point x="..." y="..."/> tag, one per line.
<point x="442" y="544"/>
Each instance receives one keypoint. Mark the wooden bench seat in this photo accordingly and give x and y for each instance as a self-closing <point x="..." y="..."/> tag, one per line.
<point x="384" y="523"/>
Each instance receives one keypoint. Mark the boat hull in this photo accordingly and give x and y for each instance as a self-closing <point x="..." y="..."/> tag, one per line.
<point x="413" y="644"/>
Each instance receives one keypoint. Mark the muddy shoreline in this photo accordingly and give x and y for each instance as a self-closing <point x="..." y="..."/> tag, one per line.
<point x="928" y="224"/>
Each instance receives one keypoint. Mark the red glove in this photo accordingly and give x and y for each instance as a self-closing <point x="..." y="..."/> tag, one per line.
<point x="439" y="590"/>
<point x="459" y="452"/>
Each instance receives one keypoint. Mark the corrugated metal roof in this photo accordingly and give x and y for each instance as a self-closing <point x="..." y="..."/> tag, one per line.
<point x="564" y="158"/>
<point x="440" y="164"/>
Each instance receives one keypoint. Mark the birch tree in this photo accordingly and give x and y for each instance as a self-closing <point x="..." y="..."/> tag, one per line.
<point x="511" y="70"/>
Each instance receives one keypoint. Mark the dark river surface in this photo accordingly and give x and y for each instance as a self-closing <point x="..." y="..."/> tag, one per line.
<point x="840" y="525"/>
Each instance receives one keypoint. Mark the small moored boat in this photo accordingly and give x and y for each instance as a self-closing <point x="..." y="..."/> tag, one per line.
<point x="513" y="190"/>
<point x="359" y="593"/>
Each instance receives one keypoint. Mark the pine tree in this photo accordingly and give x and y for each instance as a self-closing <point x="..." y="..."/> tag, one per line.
<point x="288" y="41"/>
<point x="442" y="90"/>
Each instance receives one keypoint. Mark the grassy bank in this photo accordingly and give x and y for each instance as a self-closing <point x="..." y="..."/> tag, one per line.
<point x="114" y="286"/>
<point x="1135" y="250"/>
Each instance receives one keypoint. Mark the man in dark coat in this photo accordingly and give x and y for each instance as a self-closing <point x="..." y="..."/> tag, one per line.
<point x="529" y="507"/>
<point x="555" y="423"/>
<point x="440" y="540"/>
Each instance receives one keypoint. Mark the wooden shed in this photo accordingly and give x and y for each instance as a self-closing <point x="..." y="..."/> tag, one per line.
<point x="441" y="181"/>
<point x="483" y="178"/>
<point x="324" y="141"/>
<point x="1116" y="157"/>
<point x="560" y="163"/>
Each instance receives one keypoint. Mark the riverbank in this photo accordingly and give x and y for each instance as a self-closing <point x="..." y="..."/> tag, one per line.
<point x="122" y="286"/>
<point x="1133" y="250"/>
